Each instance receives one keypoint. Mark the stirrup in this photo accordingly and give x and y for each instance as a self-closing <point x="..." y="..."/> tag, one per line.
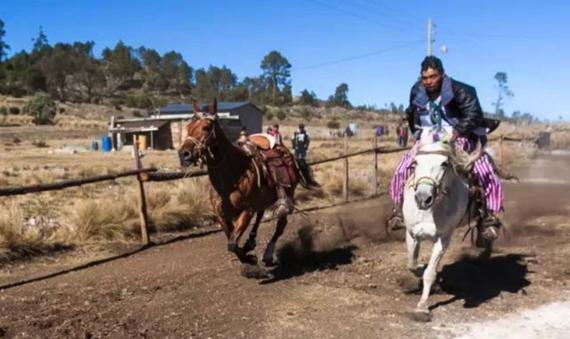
<point x="488" y="230"/>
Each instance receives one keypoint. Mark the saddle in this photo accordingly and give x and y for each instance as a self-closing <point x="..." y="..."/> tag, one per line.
<point x="276" y="162"/>
<point x="263" y="141"/>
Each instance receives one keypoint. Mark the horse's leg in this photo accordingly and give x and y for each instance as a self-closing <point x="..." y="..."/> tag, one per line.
<point x="227" y="224"/>
<point x="250" y="243"/>
<point x="268" y="255"/>
<point x="430" y="273"/>
<point x="240" y="226"/>
<point x="413" y="252"/>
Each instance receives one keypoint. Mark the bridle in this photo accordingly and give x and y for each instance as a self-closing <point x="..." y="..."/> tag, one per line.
<point x="436" y="183"/>
<point x="203" y="148"/>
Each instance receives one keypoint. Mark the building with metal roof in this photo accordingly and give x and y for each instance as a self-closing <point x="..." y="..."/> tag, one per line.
<point x="164" y="128"/>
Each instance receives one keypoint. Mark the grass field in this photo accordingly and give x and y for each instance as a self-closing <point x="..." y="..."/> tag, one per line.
<point x="106" y="212"/>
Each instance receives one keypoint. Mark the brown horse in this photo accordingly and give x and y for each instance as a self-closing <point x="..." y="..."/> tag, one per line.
<point x="239" y="188"/>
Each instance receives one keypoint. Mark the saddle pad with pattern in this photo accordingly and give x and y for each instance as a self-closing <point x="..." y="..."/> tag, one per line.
<point x="263" y="140"/>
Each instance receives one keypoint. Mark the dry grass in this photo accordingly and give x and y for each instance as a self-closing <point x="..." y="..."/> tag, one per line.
<point x="180" y="205"/>
<point x="107" y="211"/>
<point x="560" y="139"/>
<point x="103" y="220"/>
<point x="20" y="240"/>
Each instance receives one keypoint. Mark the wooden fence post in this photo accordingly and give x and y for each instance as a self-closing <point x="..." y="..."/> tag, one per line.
<point x="375" y="164"/>
<point x="345" y="179"/>
<point x="141" y="197"/>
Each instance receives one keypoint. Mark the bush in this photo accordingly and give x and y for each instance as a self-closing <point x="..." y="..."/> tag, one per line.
<point x="14" y="110"/>
<point x="264" y="109"/>
<point x="306" y="113"/>
<point x="281" y="114"/>
<point x="117" y="103"/>
<point x="3" y="110"/>
<point x="333" y="124"/>
<point x="42" y="108"/>
<point x="139" y="101"/>
<point x="40" y="144"/>
<point x="269" y="116"/>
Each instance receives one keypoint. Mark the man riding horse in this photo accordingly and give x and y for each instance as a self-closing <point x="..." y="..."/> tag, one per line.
<point x="439" y="101"/>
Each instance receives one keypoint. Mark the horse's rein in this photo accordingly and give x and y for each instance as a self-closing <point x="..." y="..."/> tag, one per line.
<point x="427" y="180"/>
<point x="202" y="145"/>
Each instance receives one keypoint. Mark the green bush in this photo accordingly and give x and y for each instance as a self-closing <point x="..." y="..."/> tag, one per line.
<point x="139" y="101"/>
<point x="269" y="116"/>
<point x="42" y="108"/>
<point x="281" y="114"/>
<point x="117" y="103"/>
<point x="263" y="109"/>
<point x="333" y="124"/>
<point x="3" y="110"/>
<point x="306" y="113"/>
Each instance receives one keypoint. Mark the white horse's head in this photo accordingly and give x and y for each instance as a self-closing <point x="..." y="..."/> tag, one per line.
<point x="431" y="166"/>
<point x="436" y="157"/>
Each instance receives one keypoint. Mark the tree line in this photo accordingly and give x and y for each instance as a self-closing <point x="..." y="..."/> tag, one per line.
<point x="142" y="77"/>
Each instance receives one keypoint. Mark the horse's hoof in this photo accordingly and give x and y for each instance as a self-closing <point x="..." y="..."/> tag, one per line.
<point x="249" y="246"/>
<point x="250" y="259"/>
<point x="233" y="247"/>
<point x="268" y="261"/>
<point x="418" y="271"/>
<point x="254" y="272"/>
<point x="420" y="315"/>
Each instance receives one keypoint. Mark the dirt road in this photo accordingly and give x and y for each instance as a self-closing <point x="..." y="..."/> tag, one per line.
<point x="343" y="279"/>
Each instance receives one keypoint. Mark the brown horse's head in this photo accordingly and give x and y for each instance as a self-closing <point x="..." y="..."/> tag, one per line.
<point x="200" y="136"/>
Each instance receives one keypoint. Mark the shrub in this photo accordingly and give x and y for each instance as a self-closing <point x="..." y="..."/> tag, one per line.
<point x="333" y="124"/>
<point x="3" y="110"/>
<point x="14" y="110"/>
<point x="117" y="103"/>
<point x="139" y="101"/>
<point x="306" y="113"/>
<point x="40" y="144"/>
<point x="269" y="116"/>
<point x="281" y="114"/>
<point x="263" y="109"/>
<point x="42" y="108"/>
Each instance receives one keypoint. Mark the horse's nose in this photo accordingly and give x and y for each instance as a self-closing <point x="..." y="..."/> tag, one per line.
<point x="184" y="156"/>
<point x="425" y="196"/>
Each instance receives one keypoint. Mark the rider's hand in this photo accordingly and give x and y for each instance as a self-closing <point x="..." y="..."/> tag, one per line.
<point x="454" y="136"/>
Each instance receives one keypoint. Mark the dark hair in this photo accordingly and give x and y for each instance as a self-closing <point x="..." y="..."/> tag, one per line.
<point x="275" y="125"/>
<point x="432" y="62"/>
<point x="301" y="125"/>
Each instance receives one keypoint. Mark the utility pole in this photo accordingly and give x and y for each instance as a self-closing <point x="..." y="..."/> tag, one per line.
<point x="430" y="39"/>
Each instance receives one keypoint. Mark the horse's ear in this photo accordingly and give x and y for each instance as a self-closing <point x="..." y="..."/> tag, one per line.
<point x="195" y="107"/>
<point x="213" y="108"/>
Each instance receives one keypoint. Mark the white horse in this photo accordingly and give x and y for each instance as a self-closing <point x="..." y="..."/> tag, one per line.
<point x="436" y="199"/>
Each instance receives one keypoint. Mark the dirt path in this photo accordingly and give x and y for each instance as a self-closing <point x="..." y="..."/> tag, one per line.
<point x="343" y="279"/>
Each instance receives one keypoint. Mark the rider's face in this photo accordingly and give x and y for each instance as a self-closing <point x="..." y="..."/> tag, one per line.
<point x="431" y="79"/>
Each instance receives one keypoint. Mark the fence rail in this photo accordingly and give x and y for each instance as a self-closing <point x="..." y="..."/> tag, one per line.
<point x="7" y="191"/>
<point x="154" y="175"/>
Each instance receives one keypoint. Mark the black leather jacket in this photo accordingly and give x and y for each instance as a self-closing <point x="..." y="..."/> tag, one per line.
<point x="462" y="108"/>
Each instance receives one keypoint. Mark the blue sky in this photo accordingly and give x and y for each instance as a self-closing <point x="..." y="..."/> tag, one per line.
<point x="373" y="45"/>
